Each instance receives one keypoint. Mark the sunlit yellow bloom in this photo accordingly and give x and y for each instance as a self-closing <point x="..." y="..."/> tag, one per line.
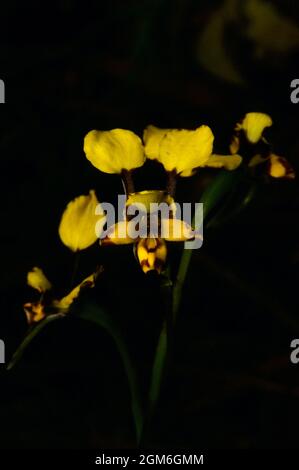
<point x="77" y="229"/>
<point x="114" y="151"/>
<point x="151" y="249"/>
<point x="254" y="125"/>
<point x="38" y="280"/>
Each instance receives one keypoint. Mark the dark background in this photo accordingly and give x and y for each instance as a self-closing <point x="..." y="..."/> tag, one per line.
<point x="70" y="67"/>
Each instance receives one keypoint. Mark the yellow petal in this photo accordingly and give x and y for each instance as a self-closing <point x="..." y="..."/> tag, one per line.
<point x="65" y="303"/>
<point x="187" y="173"/>
<point x="150" y="197"/>
<point x="77" y="228"/>
<point x="152" y="138"/>
<point x="179" y="150"/>
<point x="34" y="312"/>
<point x="254" y="125"/>
<point x="176" y="230"/>
<point x="38" y="280"/>
<point x="114" y="151"/>
<point x="151" y="253"/>
<point x="279" y="167"/>
<point x="118" y="234"/>
<point x="229" y="162"/>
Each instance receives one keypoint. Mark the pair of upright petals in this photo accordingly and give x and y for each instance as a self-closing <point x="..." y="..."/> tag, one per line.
<point x="178" y="150"/>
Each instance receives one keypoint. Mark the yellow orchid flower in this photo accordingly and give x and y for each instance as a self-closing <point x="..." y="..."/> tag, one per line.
<point x="114" y="151"/>
<point x="38" y="280"/>
<point x="37" y="311"/>
<point x="253" y="126"/>
<point x="258" y="152"/>
<point x="182" y="150"/>
<point x="77" y="228"/>
<point x="151" y="249"/>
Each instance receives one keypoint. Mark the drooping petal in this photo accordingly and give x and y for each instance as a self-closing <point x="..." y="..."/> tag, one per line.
<point x="179" y="150"/>
<point x="77" y="229"/>
<point x="38" y="280"/>
<point x="151" y="253"/>
<point x="279" y="167"/>
<point x="65" y="303"/>
<point x="119" y="234"/>
<point x="114" y="151"/>
<point x="254" y="125"/>
<point x="229" y="162"/>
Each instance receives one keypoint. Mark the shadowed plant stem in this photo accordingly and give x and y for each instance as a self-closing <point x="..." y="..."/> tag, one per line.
<point x="30" y="336"/>
<point x="161" y="356"/>
<point x="128" y="182"/>
<point x="212" y="196"/>
<point x="171" y="182"/>
<point x="75" y="268"/>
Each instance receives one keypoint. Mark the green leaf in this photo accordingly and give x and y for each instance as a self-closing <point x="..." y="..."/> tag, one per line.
<point x="212" y="196"/>
<point x="158" y="369"/>
<point x="30" y="336"/>
<point x="95" y="314"/>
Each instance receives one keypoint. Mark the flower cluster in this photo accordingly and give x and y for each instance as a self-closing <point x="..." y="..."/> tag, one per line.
<point x="181" y="152"/>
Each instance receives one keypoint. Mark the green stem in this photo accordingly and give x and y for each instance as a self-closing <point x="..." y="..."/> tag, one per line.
<point x="158" y="370"/>
<point x="211" y="197"/>
<point x="161" y="355"/>
<point x="30" y="336"/>
<point x="96" y="315"/>
<point x="223" y="216"/>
